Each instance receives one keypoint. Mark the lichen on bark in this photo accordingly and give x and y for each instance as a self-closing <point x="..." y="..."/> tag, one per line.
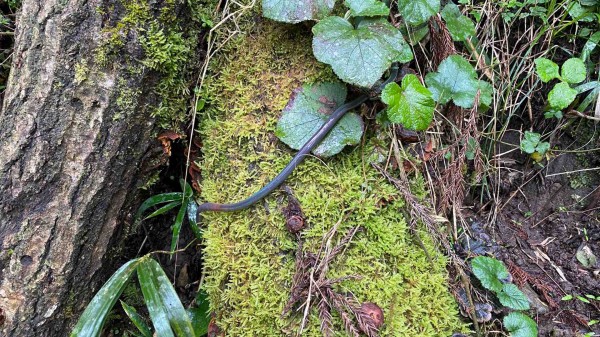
<point x="249" y="255"/>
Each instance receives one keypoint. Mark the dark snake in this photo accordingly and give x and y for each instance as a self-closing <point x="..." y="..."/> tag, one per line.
<point x="299" y="157"/>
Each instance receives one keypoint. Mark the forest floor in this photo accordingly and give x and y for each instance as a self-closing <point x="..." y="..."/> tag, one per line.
<point x="542" y="219"/>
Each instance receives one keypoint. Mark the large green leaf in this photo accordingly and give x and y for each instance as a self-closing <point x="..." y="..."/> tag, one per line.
<point x="546" y="69"/>
<point x="573" y="71"/>
<point x="166" y="311"/>
<point x="512" y="297"/>
<point x="459" y="26"/>
<point x="359" y="55"/>
<point x="520" y="325"/>
<point x="490" y="272"/>
<point x="456" y="80"/>
<point x="92" y="320"/>
<point x="410" y="104"/>
<point x="200" y="315"/>
<point x="561" y="96"/>
<point x="416" y="12"/>
<point x="367" y="8"/>
<point x="308" y="109"/>
<point x="294" y="11"/>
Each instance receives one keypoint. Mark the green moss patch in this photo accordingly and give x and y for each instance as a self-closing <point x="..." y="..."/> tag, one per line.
<point x="249" y="255"/>
<point x="162" y="40"/>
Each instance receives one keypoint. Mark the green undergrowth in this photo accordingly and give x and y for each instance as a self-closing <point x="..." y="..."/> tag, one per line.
<point x="249" y="255"/>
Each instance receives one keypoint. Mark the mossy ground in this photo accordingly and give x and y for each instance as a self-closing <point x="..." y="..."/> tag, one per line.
<point x="249" y="255"/>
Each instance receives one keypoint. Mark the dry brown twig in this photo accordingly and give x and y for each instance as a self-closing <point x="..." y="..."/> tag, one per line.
<point x="311" y="287"/>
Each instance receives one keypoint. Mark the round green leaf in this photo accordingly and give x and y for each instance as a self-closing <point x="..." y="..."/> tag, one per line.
<point x="546" y="69"/>
<point x="513" y="298"/>
<point x="573" y="71"/>
<point x="520" y="325"/>
<point x="490" y="272"/>
<point x="308" y="109"/>
<point x="456" y="80"/>
<point x="459" y="26"/>
<point x="410" y="104"/>
<point x="417" y="12"/>
<point x="530" y="142"/>
<point x="294" y="11"/>
<point x="367" y="8"/>
<point x="359" y="55"/>
<point x="561" y="96"/>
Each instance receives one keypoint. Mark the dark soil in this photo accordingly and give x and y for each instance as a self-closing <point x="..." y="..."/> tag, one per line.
<point x="543" y="219"/>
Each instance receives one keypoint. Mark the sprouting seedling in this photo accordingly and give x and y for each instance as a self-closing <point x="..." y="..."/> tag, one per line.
<point x="494" y="276"/>
<point x="533" y="145"/>
<point x="573" y="71"/>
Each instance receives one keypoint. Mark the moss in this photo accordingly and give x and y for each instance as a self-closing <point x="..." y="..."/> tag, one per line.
<point x="81" y="71"/>
<point x="166" y="50"/>
<point x="249" y="256"/>
<point x="127" y="100"/>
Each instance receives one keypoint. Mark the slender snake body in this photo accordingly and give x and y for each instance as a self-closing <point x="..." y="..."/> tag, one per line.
<point x="298" y="158"/>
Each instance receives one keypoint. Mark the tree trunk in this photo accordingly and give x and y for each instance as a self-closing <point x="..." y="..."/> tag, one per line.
<point x="75" y="130"/>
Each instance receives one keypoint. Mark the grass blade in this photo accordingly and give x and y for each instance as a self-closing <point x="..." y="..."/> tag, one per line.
<point x="164" y="209"/>
<point x="176" y="314"/>
<point x="137" y="320"/>
<point x="177" y="224"/>
<point x="154" y="303"/>
<point x="93" y="318"/>
<point x="156" y="200"/>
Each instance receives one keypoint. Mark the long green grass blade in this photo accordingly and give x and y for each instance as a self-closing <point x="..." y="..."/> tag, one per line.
<point x="178" y="317"/>
<point x="156" y="200"/>
<point x="137" y="320"/>
<point x="154" y="303"/>
<point x="164" y="209"/>
<point x="93" y="318"/>
<point x="177" y="225"/>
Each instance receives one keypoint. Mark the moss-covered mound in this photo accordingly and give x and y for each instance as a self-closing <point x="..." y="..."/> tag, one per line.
<point x="249" y="255"/>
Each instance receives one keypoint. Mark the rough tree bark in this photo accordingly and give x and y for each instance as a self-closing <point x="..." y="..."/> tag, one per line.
<point x="70" y="159"/>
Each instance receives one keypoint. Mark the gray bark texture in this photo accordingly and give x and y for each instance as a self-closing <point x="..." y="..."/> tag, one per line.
<point x="70" y="164"/>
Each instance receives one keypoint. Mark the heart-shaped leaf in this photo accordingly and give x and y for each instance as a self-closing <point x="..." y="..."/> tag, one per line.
<point x="294" y="11"/>
<point x="410" y="104"/>
<point x="416" y="12"/>
<point x="456" y="80"/>
<point x="367" y="8"/>
<point x="459" y="26"/>
<point x="308" y="109"/>
<point x="512" y="297"/>
<point x="520" y="325"/>
<point x="359" y="55"/>
<point x="573" y="71"/>
<point x="490" y="272"/>
<point x="561" y="96"/>
<point x="546" y="69"/>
